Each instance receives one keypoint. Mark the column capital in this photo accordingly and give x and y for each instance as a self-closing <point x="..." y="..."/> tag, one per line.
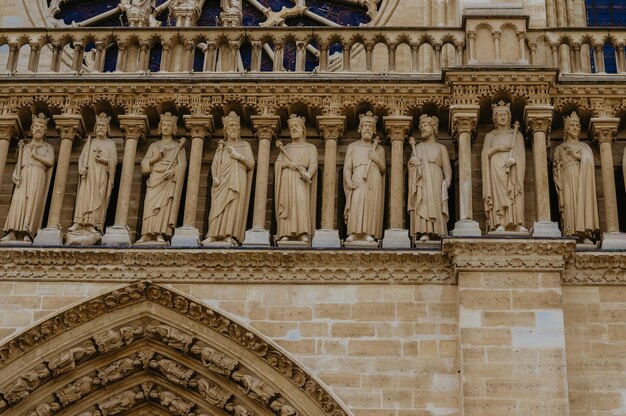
<point x="463" y="119"/>
<point x="398" y="127"/>
<point x="603" y="129"/>
<point x="266" y="127"/>
<point x="199" y="126"/>
<point x="538" y="118"/>
<point x="10" y="127"/>
<point x="69" y="126"/>
<point x="331" y="127"/>
<point x="134" y="126"/>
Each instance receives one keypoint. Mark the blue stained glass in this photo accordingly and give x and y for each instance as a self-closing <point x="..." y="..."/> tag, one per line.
<point x="606" y="12"/>
<point x="154" y="62"/>
<point x="198" y="60"/>
<point x="79" y="10"/>
<point x="246" y="56"/>
<point x="266" y="62"/>
<point x="110" y="59"/>
<point x="610" y="63"/>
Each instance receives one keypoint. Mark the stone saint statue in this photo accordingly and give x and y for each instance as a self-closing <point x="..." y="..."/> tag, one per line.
<point x="31" y="177"/>
<point x="295" y="185"/>
<point x="165" y="164"/>
<point x="364" y="183"/>
<point x="430" y="176"/>
<point x="575" y="181"/>
<point x="503" y="162"/>
<point x="96" y="167"/>
<point x="232" y="181"/>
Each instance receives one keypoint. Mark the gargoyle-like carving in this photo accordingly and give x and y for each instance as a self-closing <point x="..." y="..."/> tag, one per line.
<point x="74" y="391"/>
<point x="120" y="403"/>
<point x="215" y="360"/>
<point x="117" y="370"/>
<point x="171" y="336"/>
<point x="67" y="360"/>
<point x="254" y="386"/>
<point x="172" y="371"/>
<point x="22" y="386"/>
<point x="212" y="393"/>
<point x="114" y="339"/>
<point x="172" y="402"/>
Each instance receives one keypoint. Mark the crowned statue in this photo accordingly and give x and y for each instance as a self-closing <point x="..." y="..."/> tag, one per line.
<point x="503" y="162"/>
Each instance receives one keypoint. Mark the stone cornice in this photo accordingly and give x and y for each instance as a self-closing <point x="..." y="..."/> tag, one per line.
<point x="69" y="126"/>
<point x="595" y="268"/>
<point x="134" y="126"/>
<point x="538" y="118"/>
<point x="491" y="254"/>
<point x="398" y="127"/>
<point x="199" y="126"/>
<point x="331" y="127"/>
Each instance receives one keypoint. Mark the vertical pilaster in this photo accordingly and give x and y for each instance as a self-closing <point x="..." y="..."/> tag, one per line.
<point x="70" y="127"/>
<point x="511" y="325"/>
<point x="199" y="127"/>
<point x="331" y="129"/>
<point x="266" y="128"/>
<point x="135" y="127"/>
<point x="10" y="127"/>
<point x="538" y="120"/>
<point x="397" y="127"/>
<point x="463" y="122"/>
<point x="603" y="131"/>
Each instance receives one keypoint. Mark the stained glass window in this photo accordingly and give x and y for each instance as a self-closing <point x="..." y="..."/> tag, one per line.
<point x="606" y="13"/>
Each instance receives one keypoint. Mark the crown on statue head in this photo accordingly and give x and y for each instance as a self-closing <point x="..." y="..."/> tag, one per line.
<point x="294" y="118"/>
<point x="571" y="118"/>
<point x="368" y="116"/>
<point x="169" y="117"/>
<point x="501" y="105"/>
<point x="232" y="116"/>
<point x="432" y="120"/>
<point x="103" y="118"/>
<point x="41" y="119"/>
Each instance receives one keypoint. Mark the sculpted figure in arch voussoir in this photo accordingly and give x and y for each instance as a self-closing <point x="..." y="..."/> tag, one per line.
<point x="295" y="185"/>
<point x="164" y="164"/>
<point x="430" y="176"/>
<point x="364" y="183"/>
<point x="96" y="167"/>
<point x="32" y="175"/>
<point x="575" y="181"/>
<point x="503" y="167"/>
<point x="231" y="171"/>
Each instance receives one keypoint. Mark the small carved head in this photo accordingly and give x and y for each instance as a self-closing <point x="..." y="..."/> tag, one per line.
<point x="297" y="126"/>
<point x="168" y="123"/>
<point x="232" y="125"/>
<point x="428" y="125"/>
<point x="501" y="109"/>
<point x="367" y="125"/>
<point x="103" y="121"/>
<point x="571" y="126"/>
<point x="40" y="125"/>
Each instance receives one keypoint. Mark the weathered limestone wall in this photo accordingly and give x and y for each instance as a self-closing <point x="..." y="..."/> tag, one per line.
<point x="385" y="350"/>
<point x="595" y="339"/>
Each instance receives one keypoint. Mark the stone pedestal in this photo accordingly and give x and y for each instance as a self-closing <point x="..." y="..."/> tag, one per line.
<point x="257" y="237"/>
<point x="613" y="241"/>
<point x="117" y="236"/>
<point x="326" y="239"/>
<point x="186" y="236"/>
<point x="49" y="236"/>
<point x="396" y="238"/>
<point x="546" y="229"/>
<point x="466" y="228"/>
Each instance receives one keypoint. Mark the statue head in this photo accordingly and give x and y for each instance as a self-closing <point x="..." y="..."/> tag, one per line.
<point x="429" y="125"/>
<point x="571" y="126"/>
<point x="103" y="125"/>
<point x="167" y="124"/>
<point x="367" y="125"/>
<point x="39" y="126"/>
<point x="501" y="114"/>
<point x="297" y="127"/>
<point x="232" y="125"/>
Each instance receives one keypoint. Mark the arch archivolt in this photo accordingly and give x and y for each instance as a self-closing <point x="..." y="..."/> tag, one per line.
<point x="148" y="347"/>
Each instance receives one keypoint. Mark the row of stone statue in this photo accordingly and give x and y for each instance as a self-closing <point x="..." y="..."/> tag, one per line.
<point x="429" y="172"/>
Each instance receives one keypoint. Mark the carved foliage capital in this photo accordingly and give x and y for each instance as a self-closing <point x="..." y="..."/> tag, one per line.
<point x="464" y="123"/>
<point x="266" y="127"/>
<point x="134" y="127"/>
<point x="331" y="127"/>
<point x="604" y="130"/>
<point x="398" y="127"/>
<point x="539" y="124"/>
<point x="199" y="126"/>
<point x="69" y="127"/>
<point x="10" y="127"/>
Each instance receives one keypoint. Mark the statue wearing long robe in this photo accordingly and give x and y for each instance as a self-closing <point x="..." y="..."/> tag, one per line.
<point x="98" y="160"/>
<point x="503" y="187"/>
<point x="163" y="194"/>
<point x="32" y="181"/>
<point x="294" y="196"/>
<point x="365" y="203"/>
<point x="429" y="176"/>
<point x="230" y="193"/>
<point x="575" y="181"/>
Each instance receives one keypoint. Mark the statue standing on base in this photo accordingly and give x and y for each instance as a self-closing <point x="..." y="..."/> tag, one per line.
<point x="32" y="175"/>
<point x="232" y="181"/>
<point x="96" y="167"/>
<point x="430" y="176"/>
<point x="364" y="183"/>
<point x="503" y="167"/>
<point x="295" y="185"/>
<point x="165" y="163"/>
<point x="575" y="180"/>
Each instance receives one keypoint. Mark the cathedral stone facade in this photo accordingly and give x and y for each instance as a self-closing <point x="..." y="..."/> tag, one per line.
<point x="282" y="208"/>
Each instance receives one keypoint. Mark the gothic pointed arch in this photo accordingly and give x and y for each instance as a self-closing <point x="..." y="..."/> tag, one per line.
<point x="148" y="349"/>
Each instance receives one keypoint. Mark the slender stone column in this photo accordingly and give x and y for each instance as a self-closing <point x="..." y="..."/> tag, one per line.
<point x="331" y="129"/>
<point x="538" y="120"/>
<point x="266" y="128"/>
<point x="70" y="127"/>
<point x="10" y="127"/>
<point x="398" y="127"/>
<point x="604" y="130"/>
<point x="135" y="127"/>
<point x="199" y="127"/>
<point x="463" y="122"/>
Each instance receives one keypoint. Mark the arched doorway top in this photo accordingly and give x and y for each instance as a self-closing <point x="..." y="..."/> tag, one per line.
<point x="148" y="348"/>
